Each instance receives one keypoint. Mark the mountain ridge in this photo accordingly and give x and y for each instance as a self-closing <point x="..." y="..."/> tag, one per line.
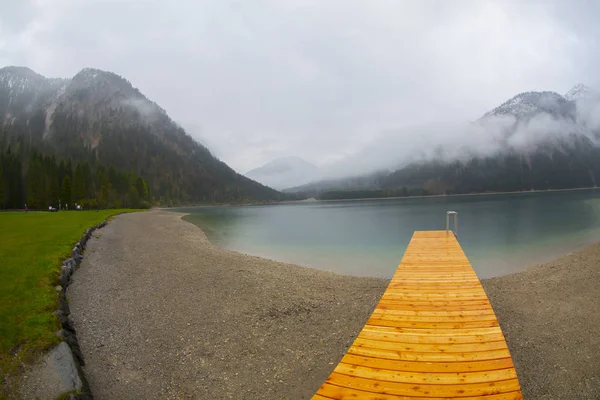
<point x="528" y="103"/>
<point x="546" y="141"/>
<point x="100" y="117"/>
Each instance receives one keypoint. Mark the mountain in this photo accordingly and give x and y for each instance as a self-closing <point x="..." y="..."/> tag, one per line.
<point x="100" y="118"/>
<point x="285" y="172"/>
<point x="540" y="140"/>
<point x="580" y="91"/>
<point x="572" y="162"/>
<point x="525" y="105"/>
<point x="355" y="184"/>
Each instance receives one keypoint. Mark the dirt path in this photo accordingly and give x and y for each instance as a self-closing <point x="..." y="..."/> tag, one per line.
<point x="161" y="313"/>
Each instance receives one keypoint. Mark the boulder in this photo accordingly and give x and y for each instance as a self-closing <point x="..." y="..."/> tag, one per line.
<point x="65" y="275"/>
<point x="63" y="362"/>
<point x="56" y="374"/>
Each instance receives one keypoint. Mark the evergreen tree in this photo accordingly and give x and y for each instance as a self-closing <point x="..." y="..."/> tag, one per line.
<point x="2" y="182"/>
<point x="90" y="190"/>
<point x="105" y="190"/>
<point x="69" y="169"/>
<point x="48" y="181"/>
<point x="66" y="190"/>
<point x="133" y="197"/>
<point x="13" y="180"/>
<point x="35" y="184"/>
<point x="61" y="171"/>
<point x="79" y="186"/>
<point x="52" y="182"/>
<point x="142" y="188"/>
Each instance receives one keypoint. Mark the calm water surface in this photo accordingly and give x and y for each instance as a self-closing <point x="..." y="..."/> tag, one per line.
<point x="499" y="233"/>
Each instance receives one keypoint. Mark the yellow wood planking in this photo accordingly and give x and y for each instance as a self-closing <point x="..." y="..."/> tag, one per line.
<point x="433" y="335"/>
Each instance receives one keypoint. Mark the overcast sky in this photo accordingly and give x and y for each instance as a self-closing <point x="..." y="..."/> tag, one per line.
<point x="257" y="80"/>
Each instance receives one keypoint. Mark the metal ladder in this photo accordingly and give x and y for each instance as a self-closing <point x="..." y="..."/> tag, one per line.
<point x="455" y="231"/>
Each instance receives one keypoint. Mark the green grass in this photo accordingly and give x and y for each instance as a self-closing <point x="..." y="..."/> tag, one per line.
<point x="32" y="248"/>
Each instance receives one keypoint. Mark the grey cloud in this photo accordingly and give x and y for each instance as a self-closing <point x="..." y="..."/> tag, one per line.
<point x="149" y="111"/>
<point x="463" y="141"/>
<point x="320" y="80"/>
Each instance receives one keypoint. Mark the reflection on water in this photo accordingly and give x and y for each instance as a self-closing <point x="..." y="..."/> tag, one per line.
<point x="499" y="233"/>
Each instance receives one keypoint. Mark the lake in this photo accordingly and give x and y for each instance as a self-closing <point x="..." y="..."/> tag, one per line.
<point x="500" y="234"/>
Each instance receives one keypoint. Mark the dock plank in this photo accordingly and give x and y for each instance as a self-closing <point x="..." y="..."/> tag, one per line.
<point x="433" y="334"/>
<point x="330" y="391"/>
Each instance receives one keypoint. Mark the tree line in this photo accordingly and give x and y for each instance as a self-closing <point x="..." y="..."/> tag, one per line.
<point x="177" y="169"/>
<point x="41" y="180"/>
<point x="372" y="194"/>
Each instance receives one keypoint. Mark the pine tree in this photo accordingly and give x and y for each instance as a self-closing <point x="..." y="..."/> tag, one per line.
<point x="2" y="182"/>
<point x="88" y="177"/>
<point x="133" y="197"/>
<point x="13" y="180"/>
<point x="142" y="188"/>
<point x="61" y="171"/>
<point x="35" y="184"/>
<point x="79" y="187"/>
<point x="66" y="190"/>
<point x="52" y="182"/>
<point x="105" y="190"/>
<point x="69" y="169"/>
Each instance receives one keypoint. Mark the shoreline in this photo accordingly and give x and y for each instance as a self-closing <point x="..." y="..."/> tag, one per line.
<point x="279" y="329"/>
<point x="549" y="254"/>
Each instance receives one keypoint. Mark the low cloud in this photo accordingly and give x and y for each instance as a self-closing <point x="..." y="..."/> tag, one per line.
<point x="149" y="111"/>
<point x="487" y="136"/>
<point x="318" y="80"/>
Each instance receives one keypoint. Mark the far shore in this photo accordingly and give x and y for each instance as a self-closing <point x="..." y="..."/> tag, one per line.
<point x="464" y="194"/>
<point x="186" y="319"/>
<point x="314" y="200"/>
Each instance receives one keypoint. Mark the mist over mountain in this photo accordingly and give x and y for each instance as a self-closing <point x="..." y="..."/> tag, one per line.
<point x="100" y="118"/>
<point x="284" y="172"/>
<point x="535" y="140"/>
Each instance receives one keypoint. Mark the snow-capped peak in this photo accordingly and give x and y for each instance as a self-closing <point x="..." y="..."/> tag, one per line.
<point x="529" y="103"/>
<point x="578" y="91"/>
<point x="20" y="79"/>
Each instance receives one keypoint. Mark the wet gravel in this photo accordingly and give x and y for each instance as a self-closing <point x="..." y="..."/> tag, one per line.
<point x="161" y="313"/>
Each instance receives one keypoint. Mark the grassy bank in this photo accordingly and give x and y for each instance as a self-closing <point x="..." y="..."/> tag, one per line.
<point x="32" y="246"/>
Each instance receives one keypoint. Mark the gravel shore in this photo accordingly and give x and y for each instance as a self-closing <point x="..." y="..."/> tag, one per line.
<point x="161" y="313"/>
<point x="550" y="316"/>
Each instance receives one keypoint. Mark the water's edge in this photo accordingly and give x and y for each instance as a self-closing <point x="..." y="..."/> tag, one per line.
<point x="525" y="265"/>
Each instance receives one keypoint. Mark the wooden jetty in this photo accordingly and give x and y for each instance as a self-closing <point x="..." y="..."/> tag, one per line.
<point x="433" y="334"/>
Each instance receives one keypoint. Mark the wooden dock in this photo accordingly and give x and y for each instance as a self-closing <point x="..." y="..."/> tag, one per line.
<point x="432" y="335"/>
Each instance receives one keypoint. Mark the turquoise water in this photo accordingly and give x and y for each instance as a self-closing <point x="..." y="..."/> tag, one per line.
<point x="500" y="234"/>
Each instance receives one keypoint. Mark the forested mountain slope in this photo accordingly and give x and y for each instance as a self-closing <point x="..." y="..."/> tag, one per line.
<point x="99" y="119"/>
<point x="535" y="141"/>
